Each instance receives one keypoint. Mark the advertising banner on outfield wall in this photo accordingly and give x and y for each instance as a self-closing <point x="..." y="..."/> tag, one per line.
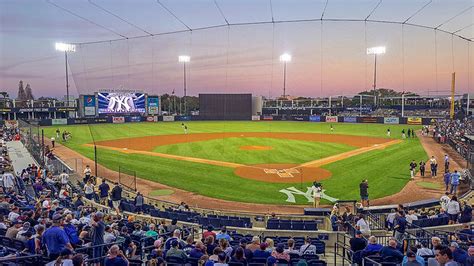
<point x="267" y="117"/>
<point x="367" y="119"/>
<point x="118" y="119"/>
<point x="315" y="118"/>
<point x="255" y="117"/>
<point x="350" y="119"/>
<point x="134" y="119"/>
<point x="300" y="118"/>
<point x="152" y="118"/>
<point x="391" y="120"/>
<point x="182" y="118"/>
<point x="414" y="121"/>
<point x="332" y="119"/>
<point x="60" y="121"/>
<point x="89" y="105"/>
<point x="168" y="118"/>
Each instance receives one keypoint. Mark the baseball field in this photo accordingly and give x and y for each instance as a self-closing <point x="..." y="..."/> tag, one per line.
<point x="270" y="162"/>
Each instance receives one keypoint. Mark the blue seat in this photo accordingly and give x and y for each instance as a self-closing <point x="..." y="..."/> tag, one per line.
<point x="285" y="225"/>
<point x="155" y="213"/>
<point x="216" y="222"/>
<point x="298" y="225"/>
<point x="310" y="225"/>
<point x="273" y="224"/>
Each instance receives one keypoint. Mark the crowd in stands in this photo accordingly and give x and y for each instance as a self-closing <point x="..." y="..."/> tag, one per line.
<point x="453" y="132"/>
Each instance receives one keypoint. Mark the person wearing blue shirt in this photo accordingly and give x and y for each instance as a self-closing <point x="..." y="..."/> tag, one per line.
<point x="261" y="253"/>
<point x="223" y="234"/>
<point x="97" y="234"/>
<point x="55" y="239"/>
<point x="454" y="181"/>
<point x="400" y="226"/>
<point x="391" y="250"/>
<point x="373" y="246"/>
<point x="104" y="192"/>
<point x="412" y="254"/>
<point x="447" y="179"/>
<point x="116" y="257"/>
<point x="459" y="255"/>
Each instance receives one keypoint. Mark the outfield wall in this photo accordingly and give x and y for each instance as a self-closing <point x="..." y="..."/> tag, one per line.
<point x="303" y="118"/>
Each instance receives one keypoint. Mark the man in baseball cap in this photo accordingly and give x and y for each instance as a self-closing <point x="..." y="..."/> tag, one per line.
<point x="55" y="238"/>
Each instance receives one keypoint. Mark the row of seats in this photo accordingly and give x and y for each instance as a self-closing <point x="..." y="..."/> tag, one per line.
<point x="431" y="222"/>
<point x="291" y="225"/>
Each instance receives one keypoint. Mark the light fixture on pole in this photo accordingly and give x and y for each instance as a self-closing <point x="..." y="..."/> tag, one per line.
<point x="184" y="59"/>
<point x="375" y="51"/>
<point x="66" y="47"/>
<point x="285" y="58"/>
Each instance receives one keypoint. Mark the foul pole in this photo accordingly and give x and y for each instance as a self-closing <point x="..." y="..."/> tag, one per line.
<point x="453" y="83"/>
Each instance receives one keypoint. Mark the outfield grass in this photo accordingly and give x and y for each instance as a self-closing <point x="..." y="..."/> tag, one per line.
<point x="386" y="170"/>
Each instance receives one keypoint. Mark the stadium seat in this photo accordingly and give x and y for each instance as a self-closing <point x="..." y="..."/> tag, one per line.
<point x="297" y="225"/>
<point x="285" y="225"/>
<point x="310" y="225"/>
<point x="175" y="261"/>
<point x="192" y="261"/>
<point x="273" y="224"/>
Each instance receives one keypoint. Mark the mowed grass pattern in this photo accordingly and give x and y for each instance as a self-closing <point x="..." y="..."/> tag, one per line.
<point x="283" y="151"/>
<point x="387" y="170"/>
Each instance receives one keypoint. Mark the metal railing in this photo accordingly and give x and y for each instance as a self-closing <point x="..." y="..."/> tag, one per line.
<point x="342" y="250"/>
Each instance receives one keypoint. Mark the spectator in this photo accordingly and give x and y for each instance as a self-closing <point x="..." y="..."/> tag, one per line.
<point x="176" y="237"/>
<point x="116" y="257"/>
<point x="116" y="197"/>
<point x="224" y="244"/>
<point x="445" y="257"/>
<point x="248" y="254"/>
<point x="411" y="216"/>
<point x="55" y="239"/>
<point x="98" y="226"/>
<point x="139" y="201"/>
<point x="239" y="256"/>
<point x="104" y="192"/>
<point x="89" y="190"/>
<point x="175" y="251"/>
<point x="447" y="179"/>
<point x="215" y="253"/>
<point x="270" y="244"/>
<point x="466" y="213"/>
<point x="189" y="244"/>
<point x="391" y="251"/>
<point x="391" y="219"/>
<point x="255" y="244"/>
<point x="151" y="231"/>
<point x="109" y="236"/>
<point x="358" y="242"/>
<point x="78" y="260"/>
<point x="291" y="247"/>
<point x="307" y="248"/>
<point x="444" y="200"/>
<point x="280" y="254"/>
<point x="173" y="226"/>
<point x="423" y="250"/>
<point x="453" y="210"/>
<point x="362" y="225"/>
<point x="261" y="252"/>
<point x="400" y="226"/>
<point x="198" y="251"/>
<point x="64" y="178"/>
<point x="412" y="259"/>
<point x="39" y="247"/>
<point x="364" y="194"/>
<point x="209" y="232"/>
<point x="71" y="231"/>
<point x="465" y="234"/>
<point x="210" y="245"/>
<point x="25" y="228"/>
<point x="221" y="260"/>
<point x="454" y="182"/>
<point x="459" y="255"/>
<point x="223" y="234"/>
<point x="65" y="258"/>
<point x="470" y="259"/>
<point x="373" y="246"/>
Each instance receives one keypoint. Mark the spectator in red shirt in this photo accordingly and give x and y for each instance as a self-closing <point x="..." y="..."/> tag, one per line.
<point x="209" y="232"/>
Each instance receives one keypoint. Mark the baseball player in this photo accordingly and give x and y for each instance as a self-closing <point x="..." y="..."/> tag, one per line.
<point x="185" y="129"/>
<point x="332" y="129"/>
<point x="433" y="166"/>
<point x="412" y="169"/>
<point x="388" y="132"/>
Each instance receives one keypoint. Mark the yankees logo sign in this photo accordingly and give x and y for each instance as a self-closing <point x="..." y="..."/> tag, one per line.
<point x="292" y="191"/>
<point x="121" y="102"/>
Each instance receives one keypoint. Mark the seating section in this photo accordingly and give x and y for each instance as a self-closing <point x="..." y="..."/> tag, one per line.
<point x="427" y="222"/>
<point x="292" y="225"/>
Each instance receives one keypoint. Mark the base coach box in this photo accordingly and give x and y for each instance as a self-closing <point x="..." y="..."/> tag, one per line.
<point x="317" y="211"/>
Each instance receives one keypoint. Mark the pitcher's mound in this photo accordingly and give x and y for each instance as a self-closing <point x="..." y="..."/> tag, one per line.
<point x="282" y="173"/>
<point x="256" y="148"/>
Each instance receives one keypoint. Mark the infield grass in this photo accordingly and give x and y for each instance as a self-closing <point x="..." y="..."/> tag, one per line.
<point x="387" y="170"/>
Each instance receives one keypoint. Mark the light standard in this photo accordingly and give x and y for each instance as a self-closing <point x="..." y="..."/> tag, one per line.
<point x="285" y="58"/>
<point x="375" y="51"/>
<point x="66" y="47"/>
<point x="184" y="59"/>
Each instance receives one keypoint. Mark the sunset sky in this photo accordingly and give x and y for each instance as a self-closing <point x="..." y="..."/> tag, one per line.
<point x="328" y="57"/>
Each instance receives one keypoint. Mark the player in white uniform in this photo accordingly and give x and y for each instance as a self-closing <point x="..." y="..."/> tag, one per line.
<point x="317" y="190"/>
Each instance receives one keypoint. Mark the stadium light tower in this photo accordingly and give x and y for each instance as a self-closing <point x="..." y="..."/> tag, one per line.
<point x="184" y="59"/>
<point x="66" y="47"/>
<point x="375" y="51"/>
<point x="285" y="58"/>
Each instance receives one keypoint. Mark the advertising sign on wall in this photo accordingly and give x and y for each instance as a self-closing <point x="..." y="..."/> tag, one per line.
<point x="168" y="118"/>
<point x="153" y="105"/>
<point x="89" y="105"/>
<point x="135" y="118"/>
<point x="152" y="118"/>
<point x="332" y="119"/>
<point x="414" y="121"/>
<point x="368" y="119"/>
<point x="350" y="119"/>
<point x="255" y="117"/>
<point x="267" y="117"/>
<point x="315" y="118"/>
<point x="391" y="120"/>
<point x="60" y="121"/>
<point x="118" y="119"/>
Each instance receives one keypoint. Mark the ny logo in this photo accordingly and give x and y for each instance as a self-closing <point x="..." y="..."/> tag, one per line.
<point x="120" y="103"/>
<point x="292" y="191"/>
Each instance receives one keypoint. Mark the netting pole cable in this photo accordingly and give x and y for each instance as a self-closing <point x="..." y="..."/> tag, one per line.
<point x="222" y="13"/>
<point x="453" y="17"/>
<point x="271" y="11"/>
<point x="85" y="19"/>
<point x="128" y="65"/>
<point x="119" y="17"/>
<point x="173" y="14"/>
<point x="452" y="53"/>
<point x="111" y="63"/>
<point x="436" y="61"/>
<point x="418" y="11"/>
<point x="403" y="59"/>
<point x="373" y="10"/>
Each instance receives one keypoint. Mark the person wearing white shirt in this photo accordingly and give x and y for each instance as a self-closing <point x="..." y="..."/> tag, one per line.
<point x="87" y="173"/>
<point x="13" y="215"/>
<point x="444" y="200"/>
<point x="363" y="226"/>
<point x="8" y="181"/>
<point x="411" y="216"/>
<point x="46" y="203"/>
<point x="64" y="178"/>
<point x="317" y="189"/>
<point x="453" y="209"/>
<point x="89" y="190"/>
<point x="391" y="218"/>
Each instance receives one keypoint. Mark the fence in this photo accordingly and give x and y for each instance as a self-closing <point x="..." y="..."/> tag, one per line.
<point x="128" y="178"/>
<point x="32" y="138"/>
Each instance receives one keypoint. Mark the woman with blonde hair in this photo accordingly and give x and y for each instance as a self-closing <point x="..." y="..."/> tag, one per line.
<point x="270" y="245"/>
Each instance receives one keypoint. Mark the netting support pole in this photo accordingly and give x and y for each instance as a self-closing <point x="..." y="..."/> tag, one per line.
<point x="95" y="160"/>
<point x="42" y="148"/>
